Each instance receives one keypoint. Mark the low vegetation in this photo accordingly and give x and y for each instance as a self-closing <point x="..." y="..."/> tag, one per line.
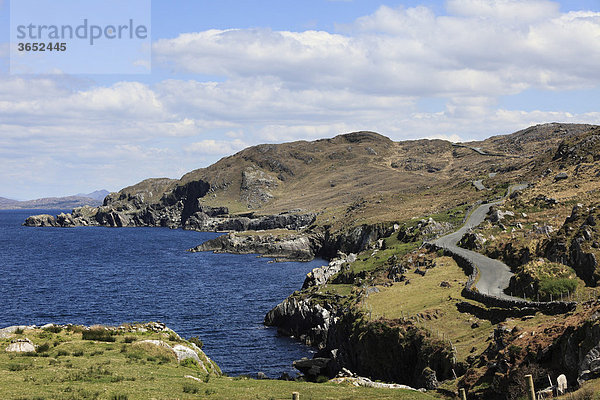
<point x="67" y="366"/>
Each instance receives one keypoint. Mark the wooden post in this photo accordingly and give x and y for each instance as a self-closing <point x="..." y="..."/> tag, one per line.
<point x="463" y="394"/>
<point x="295" y="396"/>
<point x="531" y="388"/>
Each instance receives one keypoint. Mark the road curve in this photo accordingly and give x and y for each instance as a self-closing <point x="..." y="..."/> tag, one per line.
<point x="494" y="276"/>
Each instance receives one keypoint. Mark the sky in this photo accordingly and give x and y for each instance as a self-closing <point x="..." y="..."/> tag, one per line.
<point x="229" y="74"/>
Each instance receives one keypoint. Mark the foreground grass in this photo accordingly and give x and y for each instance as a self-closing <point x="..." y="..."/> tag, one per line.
<point x="68" y="367"/>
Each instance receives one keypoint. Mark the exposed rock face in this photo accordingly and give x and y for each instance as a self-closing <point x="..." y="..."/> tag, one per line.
<point x="425" y="227"/>
<point x="304" y="319"/>
<point x="472" y="241"/>
<point x="574" y="243"/>
<point x="495" y="215"/>
<point x="41" y="220"/>
<point x="180" y="214"/>
<point x="313" y="368"/>
<point x="354" y="240"/>
<point x="256" y="187"/>
<point x="291" y="246"/>
<point x="319" y="276"/>
<point x="576" y="353"/>
<point x="208" y="220"/>
<point x="182" y="352"/>
<point x="374" y="349"/>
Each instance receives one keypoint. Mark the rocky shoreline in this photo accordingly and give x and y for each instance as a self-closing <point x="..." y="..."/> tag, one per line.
<point x="286" y="247"/>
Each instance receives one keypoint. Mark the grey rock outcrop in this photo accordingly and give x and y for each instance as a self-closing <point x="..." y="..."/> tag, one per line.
<point x="313" y="368"/>
<point x="319" y="276"/>
<point x="304" y="319"/>
<point x="472" y="241"/>
<point x="41" y="220"/>
<point x="288" y="247"/>
<point x="257" y="186"/>
<point x="21" y="346"/>
<point x="573" y="243"/>
<point x="495" y="215"/>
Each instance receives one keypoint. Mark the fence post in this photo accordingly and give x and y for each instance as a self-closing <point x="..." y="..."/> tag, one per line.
<point x="463" y="394"/>
<point x="295" y="396"/>
<point x="531" y="388"/>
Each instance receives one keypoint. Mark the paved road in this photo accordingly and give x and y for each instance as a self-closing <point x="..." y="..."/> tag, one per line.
<point x="494" y="276"/>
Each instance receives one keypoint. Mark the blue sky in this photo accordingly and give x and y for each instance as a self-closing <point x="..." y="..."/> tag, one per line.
<point x="229" y="74"/>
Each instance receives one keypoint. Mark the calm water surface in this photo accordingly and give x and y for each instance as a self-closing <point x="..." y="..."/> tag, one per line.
<point x="115" y="275"/>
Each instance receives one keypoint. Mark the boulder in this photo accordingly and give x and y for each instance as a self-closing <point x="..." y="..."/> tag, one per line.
<point x="561" y="176"/>
<point x="312" y="368"/>
<point x="261" y="375"/>
<point x="472" y="241"/>
<point x="21" y="346"/>
<point x="41" y="220"/>
<point x="182" y="352"/>
<point x="429" y="378"/>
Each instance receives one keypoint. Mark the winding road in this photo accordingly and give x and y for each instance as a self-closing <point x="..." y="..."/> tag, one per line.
<point x="494" y="276"/>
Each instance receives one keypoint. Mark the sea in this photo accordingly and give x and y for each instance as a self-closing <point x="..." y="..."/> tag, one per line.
<point x="98" y="275"/>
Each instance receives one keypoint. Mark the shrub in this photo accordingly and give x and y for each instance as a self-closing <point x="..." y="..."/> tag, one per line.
<point x="99" y="334"/>
<point x="190" y="388"/>
<point x="129" y="339"/>
<point x="77" y="328"/>
<point x="119" y="397"/>
<point x="190" y="363"/>
<point x="62" y="353"/>
<point x="18" y="367"/>
<point x="78" y="353"/>
<point x="556" y="287"/>
<point x="42" y="348"/>
<point x="196" y="340"/>
<point x="53" y="329"/>
<point x="19" y="331"/>
<point x="322" y="379"/>
<point x="174" y="338"/>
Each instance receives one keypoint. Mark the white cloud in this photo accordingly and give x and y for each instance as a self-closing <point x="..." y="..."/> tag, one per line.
<point x="530" y="10"/>
<point x="216" y="147"/>
<point x="481" y="48"/>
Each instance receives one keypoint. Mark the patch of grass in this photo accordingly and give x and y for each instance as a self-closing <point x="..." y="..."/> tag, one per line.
<point x="431" y="306"/>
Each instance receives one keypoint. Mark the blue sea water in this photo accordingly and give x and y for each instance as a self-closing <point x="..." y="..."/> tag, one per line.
<point x="116" y="275"/>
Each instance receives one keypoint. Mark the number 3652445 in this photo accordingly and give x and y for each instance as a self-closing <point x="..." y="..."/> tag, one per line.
<point x="42" y="46"/>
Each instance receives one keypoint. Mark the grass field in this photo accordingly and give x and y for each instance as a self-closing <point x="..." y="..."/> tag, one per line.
<point x="67" y="367"/>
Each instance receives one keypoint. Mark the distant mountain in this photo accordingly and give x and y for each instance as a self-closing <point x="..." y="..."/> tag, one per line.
<point x="6" y="203"/>
<point x="96" y="195"/>
<point x="68" y="202"/>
